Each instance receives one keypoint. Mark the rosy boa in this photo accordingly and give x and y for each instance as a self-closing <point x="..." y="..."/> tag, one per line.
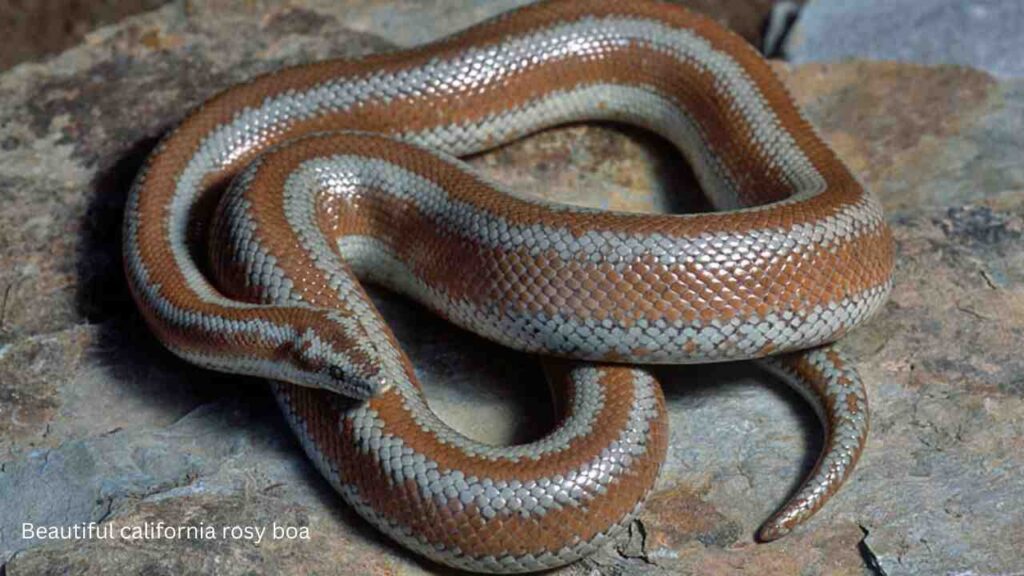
<point x="281" y="180"/>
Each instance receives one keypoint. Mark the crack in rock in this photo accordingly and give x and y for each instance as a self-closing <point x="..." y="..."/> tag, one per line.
<point x="870" y="559"/>
<point x="635" y="546"/>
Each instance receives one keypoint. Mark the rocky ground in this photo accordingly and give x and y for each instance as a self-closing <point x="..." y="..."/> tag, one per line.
<point x="983" y="34"/>
<point x="98" y="423"/>
<point x="35" y="28"/>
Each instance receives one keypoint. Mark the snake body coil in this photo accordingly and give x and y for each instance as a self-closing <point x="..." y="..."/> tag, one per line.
<point x="313" y="176"/>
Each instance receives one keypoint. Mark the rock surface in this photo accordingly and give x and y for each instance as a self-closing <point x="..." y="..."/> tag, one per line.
<point x="409" y="22"/>
<point x="99" y="424"/>
<point x="984" y="34"/>
<point x="32" y="30"/>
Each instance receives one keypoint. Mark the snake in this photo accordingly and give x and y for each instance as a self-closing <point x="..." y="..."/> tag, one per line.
<point x="255" y="224"/>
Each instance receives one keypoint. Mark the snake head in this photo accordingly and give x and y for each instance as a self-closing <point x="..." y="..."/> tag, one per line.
<point x="356" y="384"/>
<point x="329" y="355"/>
<point x="339" y="374"/>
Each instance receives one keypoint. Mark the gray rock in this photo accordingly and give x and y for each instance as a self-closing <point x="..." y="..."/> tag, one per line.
<point x="411" y="22"/>
<point x="89" y="480"/>
<point x="984" y="34"/>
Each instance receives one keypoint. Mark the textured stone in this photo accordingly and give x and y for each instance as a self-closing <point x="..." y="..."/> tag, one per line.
<point x="97" y="422"/>
<point x="983" y="34"/>
<point x="35" y="29"/>
<point x="410" y="22"/>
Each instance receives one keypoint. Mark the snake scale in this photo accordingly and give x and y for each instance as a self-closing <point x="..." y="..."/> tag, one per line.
<point x="252" y="224"/>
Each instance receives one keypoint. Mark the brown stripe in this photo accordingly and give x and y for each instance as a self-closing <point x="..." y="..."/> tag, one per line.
<point x="629" y="65"/>
<point x="546" y="284"/>
<point x="524" y="284"/>
<point x="798" y="511"/>
<point x="465" y="528"/>
<point x="610" y="421"/>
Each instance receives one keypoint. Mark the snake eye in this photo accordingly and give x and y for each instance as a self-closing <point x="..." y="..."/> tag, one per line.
<point x="336" y="372"/>
<point x="355" y="385"/>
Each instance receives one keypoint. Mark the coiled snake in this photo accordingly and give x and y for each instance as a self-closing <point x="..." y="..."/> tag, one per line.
<point x="305" y="179"/>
